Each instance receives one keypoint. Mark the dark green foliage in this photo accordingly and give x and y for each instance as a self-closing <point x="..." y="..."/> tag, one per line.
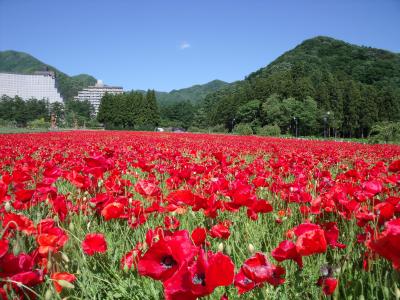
<point x="131" y="110"/>
<point x="20" y="62"/>
<point x="179" y="114"/>
<point x="21" y="112"/>
<point x="354" y="86"/>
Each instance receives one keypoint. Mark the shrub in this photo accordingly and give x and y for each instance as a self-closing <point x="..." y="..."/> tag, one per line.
<point x="385" y="132"/>
<point x="269" y="130"/>
<point x="243" y="129"/>
<point x="38" y="123"/>
<point x="219" y="128"/>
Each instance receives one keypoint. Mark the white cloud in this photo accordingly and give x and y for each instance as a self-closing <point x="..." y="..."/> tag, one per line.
<point x="184" y="45"/>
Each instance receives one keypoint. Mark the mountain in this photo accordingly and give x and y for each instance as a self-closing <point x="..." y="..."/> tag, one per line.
<point x="355" y="86"/>
<point x="20" y="62"/>
<point x="194" y="94"/>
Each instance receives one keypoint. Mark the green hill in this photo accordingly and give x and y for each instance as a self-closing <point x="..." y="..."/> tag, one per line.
<point x="20" y="62"/>
<point x="194" y="94"/>
<point x="353" y="86"/>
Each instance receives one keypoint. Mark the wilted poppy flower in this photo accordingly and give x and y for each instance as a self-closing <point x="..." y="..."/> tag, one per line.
<point x="258" y="269"/>
<point x="94" y="243"/>
<point x="167" y="255"/>
<point x="131" y="259"/>
<point x="61" y="276"/>
<point x="171" y="223"/>
<point x="220" y="231"/>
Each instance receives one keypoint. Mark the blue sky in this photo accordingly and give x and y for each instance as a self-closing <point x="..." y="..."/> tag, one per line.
<point x="171" y="44"/>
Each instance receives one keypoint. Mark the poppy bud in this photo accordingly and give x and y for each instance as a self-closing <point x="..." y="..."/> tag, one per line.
<point x="65" y="284"/>
<point x="65" y="257"/>
<point x="71" y="226"/>
<point x="228" y="250"/>
<point x="396" y="292"/>
<point x="91" y="204"/>
<point x="126" y="268"/>
<point x="56" y="219"/>
<point x="16" y="248"/>
<point x="48" y="295"/>
<point x="84" y="199"/>
<point x="221" y="247"/>
<point x="7" y="206"/>
<point x="251" y="248"/>
<point x="49" y="265"/>
<point x="130" y="200"/>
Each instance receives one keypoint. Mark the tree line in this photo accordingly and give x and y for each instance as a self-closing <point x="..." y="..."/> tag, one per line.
<point x="130" y="110"/>
<point x="14" y="111"/>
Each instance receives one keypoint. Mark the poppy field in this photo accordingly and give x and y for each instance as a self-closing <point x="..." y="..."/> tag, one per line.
<point x="146" y="215"/>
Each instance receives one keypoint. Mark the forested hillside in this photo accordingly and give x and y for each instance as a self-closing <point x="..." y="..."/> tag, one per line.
<point x="322" y="83"/>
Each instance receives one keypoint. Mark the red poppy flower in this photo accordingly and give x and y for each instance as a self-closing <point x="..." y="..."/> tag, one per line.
<point x="199" y="236"/>
<point x="395" y="166"/>
<point x="167" y="255"/>
<point x="328" y="284"/>
<point x="61" y="276"/>
<point x="388" y="243"/>
<point x="220" y="231"/>
<point x="201" y="277"/>
<point x="29" y="278"/>
<point x="331" y="232"/>
<point x="287" y="250"/>
<point x="3" y="247"/>
<point x="50" y="238"/>
<point x="181" y="197"/>
<point x="94" y="243"/>
<point x="112" y="210"/>
<point x="11" y="264"/>
<point x="310" y="239"/>
<point x="147" y="188"/>
<point x="243" y="283"/>
<point x="258" y="269"/>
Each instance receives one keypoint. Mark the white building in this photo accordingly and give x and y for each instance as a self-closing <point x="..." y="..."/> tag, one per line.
<point x="40" y="85"/>
<point x="96" y="92"/>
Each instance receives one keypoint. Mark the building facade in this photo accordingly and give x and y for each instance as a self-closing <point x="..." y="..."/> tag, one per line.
<point x="40" y="85"/>
<point x="94" y="93"/>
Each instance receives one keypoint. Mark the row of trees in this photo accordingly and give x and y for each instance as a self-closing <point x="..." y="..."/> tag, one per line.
<point x="131" y="110"/>
<point x="18" y="112"/>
